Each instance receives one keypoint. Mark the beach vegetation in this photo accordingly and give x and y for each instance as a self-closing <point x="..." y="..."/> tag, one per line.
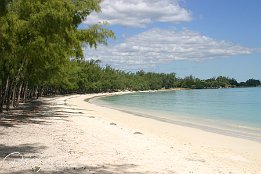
<point x="39" y="42"/>
<point x="41" y="55"/>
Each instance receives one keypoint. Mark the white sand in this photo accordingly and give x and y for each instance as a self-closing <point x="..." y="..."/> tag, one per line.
<point x="86" y="141"/>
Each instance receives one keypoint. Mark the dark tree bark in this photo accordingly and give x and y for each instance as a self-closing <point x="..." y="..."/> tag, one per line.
<point x="4" y="94"/>
<point x="19" y="95"/>
<point x="25" y="93"/>
<point x="1" y="98"/>
<point x="9" y="95"/>
<point x="13" y="95"/>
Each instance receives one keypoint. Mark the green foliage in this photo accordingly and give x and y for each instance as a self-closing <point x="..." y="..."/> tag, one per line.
<point x="39" y="38"/>
<point x="253" y="83"/>
<point x="41" y="52"/>
<point x="219" y="82"/>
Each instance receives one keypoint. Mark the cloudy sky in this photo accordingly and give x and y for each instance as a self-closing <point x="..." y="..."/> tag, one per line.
<point x="203" y="38"/>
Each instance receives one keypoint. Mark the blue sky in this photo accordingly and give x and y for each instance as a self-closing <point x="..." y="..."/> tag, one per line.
<point x="205" y="38"/>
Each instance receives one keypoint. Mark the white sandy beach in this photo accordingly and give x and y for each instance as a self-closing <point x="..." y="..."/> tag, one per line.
<point x="74" y="136"/>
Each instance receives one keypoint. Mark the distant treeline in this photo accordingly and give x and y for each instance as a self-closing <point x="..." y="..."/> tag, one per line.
<point x="90" y="77"/>
<point x="41" y="54"/>
<point x="215" y="82"/>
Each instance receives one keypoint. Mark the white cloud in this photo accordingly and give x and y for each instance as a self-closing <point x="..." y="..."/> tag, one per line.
<point x="158" y="46"/>
<point x="139" y="13"/>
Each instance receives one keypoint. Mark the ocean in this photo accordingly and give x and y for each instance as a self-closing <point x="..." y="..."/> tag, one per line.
<point x="234" y="111"/>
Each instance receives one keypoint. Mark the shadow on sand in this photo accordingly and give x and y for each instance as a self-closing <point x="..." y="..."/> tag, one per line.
<point x="36" y="112"/>
<point x="22" y="149"/>
<point x="105" y="169"/>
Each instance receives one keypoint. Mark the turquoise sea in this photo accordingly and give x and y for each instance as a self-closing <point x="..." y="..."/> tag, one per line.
<point x="235" y="112"/>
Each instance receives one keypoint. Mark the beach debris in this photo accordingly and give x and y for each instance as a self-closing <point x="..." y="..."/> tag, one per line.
<point x="113" y="124"/>
<point x="91" y="117"/>
<point x="36" y="169"/>
<point x="138" y="133"/>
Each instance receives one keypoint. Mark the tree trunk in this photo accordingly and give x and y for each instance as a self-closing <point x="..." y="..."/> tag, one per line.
<point x="1" y="95"/>
<point x="29" y="94"/>
<point x="19" y="95"/>
<point x="39" y="94"/>
<point x="8" y="98"/>
<point x="25" y="93"/>
<point x="5" y="94"/>
<point x="36" y="92"/>
<point x="14" y="95"/>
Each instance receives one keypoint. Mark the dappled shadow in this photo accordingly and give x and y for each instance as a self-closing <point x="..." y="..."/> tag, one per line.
<point x="5" y="123"/>
<point x="104" y="169"/>
<point x="62" y="106"/>
<point x="23" y="149"/>
<point x="35" y="112"/>
<point x="69" y="112"/>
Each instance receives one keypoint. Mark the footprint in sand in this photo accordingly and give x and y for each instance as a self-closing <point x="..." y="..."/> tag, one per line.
<point x="195" y="157"/>
<point x="138" y="133"/>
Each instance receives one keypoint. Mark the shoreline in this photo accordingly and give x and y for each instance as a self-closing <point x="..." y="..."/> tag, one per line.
<point x="239" y="131"/>
<point x="201" y="127"/>
<point x="69" y="135"/>
<point x="171" y="133"/>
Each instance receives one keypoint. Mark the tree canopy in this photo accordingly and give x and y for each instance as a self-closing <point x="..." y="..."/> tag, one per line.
<point x="39" y="38"/>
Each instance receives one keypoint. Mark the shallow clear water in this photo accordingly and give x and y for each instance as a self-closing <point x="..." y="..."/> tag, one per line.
<point x="235" y="111"/>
